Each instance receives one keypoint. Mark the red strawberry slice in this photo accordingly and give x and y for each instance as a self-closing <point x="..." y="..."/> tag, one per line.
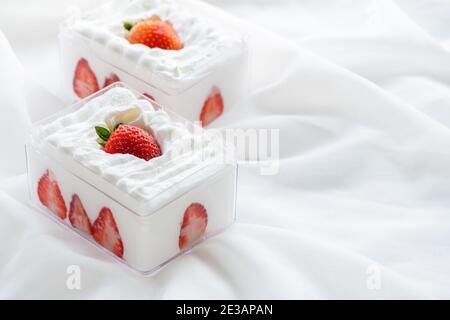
<point x="50" y="194"/>
<point x="84" y="81"/>
<point x="106" y="233"/>
<point x="212" y="108"/>
<point x="110" y="79"/>
<point x="78" y="216"/>
<point x="194" y="225"/>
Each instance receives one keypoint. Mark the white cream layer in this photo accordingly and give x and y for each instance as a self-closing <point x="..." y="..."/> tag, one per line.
<point x="205" y="45"/>
<point x="184" y="151"/>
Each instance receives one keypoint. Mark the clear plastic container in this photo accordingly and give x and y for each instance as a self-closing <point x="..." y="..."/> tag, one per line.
<point x="152" y="231"/>
<point x="110" y="56"/>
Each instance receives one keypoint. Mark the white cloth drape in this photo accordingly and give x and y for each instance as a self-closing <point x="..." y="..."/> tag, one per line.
<point x="359" y="91"/>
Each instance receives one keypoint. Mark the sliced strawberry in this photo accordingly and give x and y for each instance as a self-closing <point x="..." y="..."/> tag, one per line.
<point x="78" y="216"/>
<point x="212" y="108"/>
<point x="194" y="224"/>
<point x="50" y="194"/>
<point x="110" y="79"/>
<point x="84" y="81"/>
<point x="106" y="233"/>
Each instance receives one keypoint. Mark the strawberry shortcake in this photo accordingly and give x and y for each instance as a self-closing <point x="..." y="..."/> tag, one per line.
<point x="174" y="52"/>
<point x="140" y="182"/>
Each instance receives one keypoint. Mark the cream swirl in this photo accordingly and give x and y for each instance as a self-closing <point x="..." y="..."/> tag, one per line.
<point x="184" y="151"/>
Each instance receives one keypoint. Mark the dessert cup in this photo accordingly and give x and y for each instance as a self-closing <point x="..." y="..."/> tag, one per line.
<point x="155" y="210"/>
<point x="211" y="65"/>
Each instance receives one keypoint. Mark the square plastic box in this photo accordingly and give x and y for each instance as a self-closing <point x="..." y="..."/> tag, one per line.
<point x="187" y="91"/>
<point x="150" y="229"/>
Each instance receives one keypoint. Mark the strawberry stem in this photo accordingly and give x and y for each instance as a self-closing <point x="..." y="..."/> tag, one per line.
<point x="128" y="25"/>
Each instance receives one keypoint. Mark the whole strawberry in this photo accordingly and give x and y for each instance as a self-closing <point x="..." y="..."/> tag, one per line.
<point x="130" y="140"/>
<point x="154" y="33"/>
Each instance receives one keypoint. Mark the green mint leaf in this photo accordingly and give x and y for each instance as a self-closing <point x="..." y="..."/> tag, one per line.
<point x="103" y="133"/>
<point x="101" y="143"/>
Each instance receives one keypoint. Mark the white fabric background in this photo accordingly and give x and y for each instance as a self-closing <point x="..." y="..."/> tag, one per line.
<point x="359" y="90"/>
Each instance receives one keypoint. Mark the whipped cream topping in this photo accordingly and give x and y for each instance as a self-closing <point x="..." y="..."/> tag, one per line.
<point x="205" y="45"/>
<point x="184" y="151"/>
